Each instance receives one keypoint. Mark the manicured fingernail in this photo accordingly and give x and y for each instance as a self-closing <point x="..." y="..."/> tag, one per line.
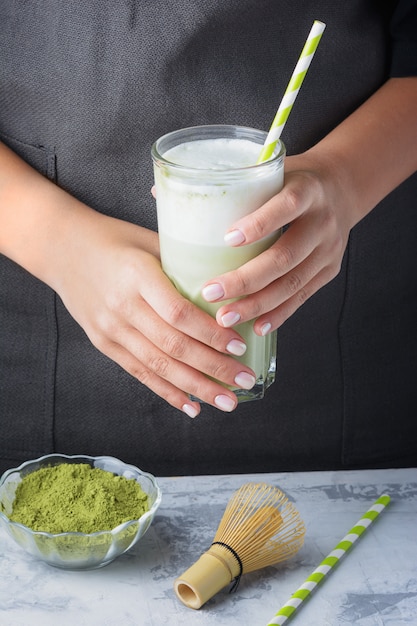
<point x="245" y="380"/>
<point x="212" y="292"/>
<point x="236" y="347"/>
<point x="190" y="410"/>
<point x="230" y="319"/>
<point x="224" y="403"/>
<point x="265" y="329"/>
<point x="234" y="238"/>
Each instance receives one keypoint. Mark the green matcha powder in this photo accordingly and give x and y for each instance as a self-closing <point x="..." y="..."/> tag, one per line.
<point x="77" y="498"/>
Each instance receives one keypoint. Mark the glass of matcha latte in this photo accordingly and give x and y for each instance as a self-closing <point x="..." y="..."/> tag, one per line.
<point x="206" y="178"/>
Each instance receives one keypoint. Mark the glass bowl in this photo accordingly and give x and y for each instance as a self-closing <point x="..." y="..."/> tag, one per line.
<point x="74" y="550"/>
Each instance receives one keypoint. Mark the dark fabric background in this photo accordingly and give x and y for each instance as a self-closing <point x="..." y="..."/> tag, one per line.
<point x="85" y="89"/>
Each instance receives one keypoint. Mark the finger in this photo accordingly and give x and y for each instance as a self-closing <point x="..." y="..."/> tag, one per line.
<point x="180" y="313"/>
<point x="275" y="318"/>
<point x="181" y="348"/>
<point x="166" y="376"/>
<point x="267" y="299"/>
<point x="291" y="249"/>
<point x="291" y="202"/>
<point x="293" y="285"/>
<point x="163" y="388"/>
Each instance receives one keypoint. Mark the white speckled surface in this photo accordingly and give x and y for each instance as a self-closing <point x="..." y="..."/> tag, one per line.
<point x="375" y="585"/>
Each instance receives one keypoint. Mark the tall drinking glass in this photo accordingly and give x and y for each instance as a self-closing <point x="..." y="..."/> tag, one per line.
<point x="206" y="178"/>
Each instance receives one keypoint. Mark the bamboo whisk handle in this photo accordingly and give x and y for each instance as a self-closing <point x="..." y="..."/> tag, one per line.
<point x="215" y="569"/>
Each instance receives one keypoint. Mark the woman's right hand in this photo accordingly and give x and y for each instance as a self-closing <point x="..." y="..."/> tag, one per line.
<point x="108" y="274"/>
<point x="110" y="279"/>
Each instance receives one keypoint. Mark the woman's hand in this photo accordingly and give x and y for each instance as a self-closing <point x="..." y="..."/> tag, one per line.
<point x="275" y="284"/>
<point x="113" y="285"/>
<point x="328" y="190"/>
<point x="108" y="274"/>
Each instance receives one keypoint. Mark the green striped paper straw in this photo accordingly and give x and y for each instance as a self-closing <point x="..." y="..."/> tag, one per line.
<point x="292" y="90"/>
<point x="326" y="566"/>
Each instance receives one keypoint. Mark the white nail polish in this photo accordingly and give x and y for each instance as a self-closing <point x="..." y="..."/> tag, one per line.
<point x="234" y="238"/>
<point x="189" y="410"/>
<point x="236" y="347"/>
<point x="266" y="329"/>
<point x="230" y="319"/>
<point x="224" y="403"/>
<point x="245" y="380"/>
<point x="212" y="292"/>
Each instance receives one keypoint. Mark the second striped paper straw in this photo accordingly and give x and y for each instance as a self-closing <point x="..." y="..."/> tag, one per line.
<point x="292" y="90"/>
<point x="305" y="590"/>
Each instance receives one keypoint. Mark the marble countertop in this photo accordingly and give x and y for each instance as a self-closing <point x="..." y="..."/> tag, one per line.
<point x="374" y="585"/>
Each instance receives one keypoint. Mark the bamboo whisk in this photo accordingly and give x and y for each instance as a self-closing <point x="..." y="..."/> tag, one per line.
<point x="259" y="527"/>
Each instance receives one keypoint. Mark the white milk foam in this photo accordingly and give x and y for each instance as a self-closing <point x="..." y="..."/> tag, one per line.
<point x="215" y="154"/>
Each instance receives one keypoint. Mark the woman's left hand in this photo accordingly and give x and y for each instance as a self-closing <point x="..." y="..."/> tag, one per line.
<point x="271" y="287"/>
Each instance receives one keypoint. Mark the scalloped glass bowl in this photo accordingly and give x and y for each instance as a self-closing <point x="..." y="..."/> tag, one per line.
<point x="78" y="551"/>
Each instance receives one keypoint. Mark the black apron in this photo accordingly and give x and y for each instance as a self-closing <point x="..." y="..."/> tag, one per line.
<point x="85" y="89"/>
